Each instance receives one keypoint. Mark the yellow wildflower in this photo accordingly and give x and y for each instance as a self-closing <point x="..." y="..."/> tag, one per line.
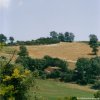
<point x="7" y="78"/>
<point x="16" y="73"/>
<point x="27" y="72"/>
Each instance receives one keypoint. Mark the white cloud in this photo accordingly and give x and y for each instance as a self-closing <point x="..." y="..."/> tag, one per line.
<point x="5" y="3"/>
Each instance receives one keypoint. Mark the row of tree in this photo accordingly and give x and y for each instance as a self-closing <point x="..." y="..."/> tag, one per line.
<point x="54" y="38"/>
<point x="63" y="37"/>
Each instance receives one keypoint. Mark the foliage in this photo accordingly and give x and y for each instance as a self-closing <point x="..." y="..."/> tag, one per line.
<point x="40" y="41"/>
<point x="82" y="71"/>
<point x="87" y="70"/>
<point x="95" y="66"/>
<point x="63" y="65"/>
<point x="96" y="85"/>
<point x="54" y="35"/>
<point x="24" y="59"/>
<point x="66" y="37"/>
<point x="61" y="37"/>
<point x="97" y="95"/>
<point x="23" y="51"/>
<point x="67" y="76"/>
<point x="69" y="37"/>
<point x="15" y="81"/>
<point x="11" y="39"/>
<point x="3" y="39"/>
<point x="55" y="74"/>
<point x="26" y="62"/>
<point x="94" y="43"/>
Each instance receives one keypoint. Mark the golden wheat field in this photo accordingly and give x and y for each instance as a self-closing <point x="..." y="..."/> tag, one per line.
<point x="67" y="51"/>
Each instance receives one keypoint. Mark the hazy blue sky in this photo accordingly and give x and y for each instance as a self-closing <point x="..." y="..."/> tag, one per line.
<point x="30" y="19"/>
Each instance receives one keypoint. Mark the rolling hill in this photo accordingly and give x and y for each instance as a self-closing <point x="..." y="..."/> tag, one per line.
<point x="66" y="51"/>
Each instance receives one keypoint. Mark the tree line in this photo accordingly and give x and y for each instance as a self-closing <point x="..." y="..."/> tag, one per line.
<point x="53" y="38"/>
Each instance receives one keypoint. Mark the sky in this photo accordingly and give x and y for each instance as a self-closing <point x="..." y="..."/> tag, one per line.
<point x="31" y="19"/>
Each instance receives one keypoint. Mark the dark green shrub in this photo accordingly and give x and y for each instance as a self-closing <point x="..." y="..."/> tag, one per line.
<point x="97" y="95"/>
<point x="96" y="85"/>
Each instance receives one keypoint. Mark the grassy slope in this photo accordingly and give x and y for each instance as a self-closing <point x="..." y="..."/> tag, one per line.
<point x="53" y="90"/>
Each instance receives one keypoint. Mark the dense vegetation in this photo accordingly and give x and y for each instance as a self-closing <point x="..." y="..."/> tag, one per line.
<point x="16" y="78"/>
<point x="87" y="71"/>
<point x="15" y="81"/>
<point x="94" y="43"/>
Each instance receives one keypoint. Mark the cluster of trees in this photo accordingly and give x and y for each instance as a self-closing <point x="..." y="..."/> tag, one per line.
<point x="88" y="71"/>
<point x="54" y="38"/>
<point x="63" y="37"/>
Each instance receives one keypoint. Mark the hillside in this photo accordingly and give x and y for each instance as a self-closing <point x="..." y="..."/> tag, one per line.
<point x="67" y="51"/>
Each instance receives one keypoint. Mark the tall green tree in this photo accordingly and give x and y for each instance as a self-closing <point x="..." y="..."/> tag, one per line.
<point x="11" y="40"/>
<point x="54" y="35"/>
<point x="93" y="43"/>
<point x="69" y="37"/>
<point x="23" y="51"/>
<point x="61" y="37"/>
<point x="3" y="39"/>
<point x="83" y="68"/>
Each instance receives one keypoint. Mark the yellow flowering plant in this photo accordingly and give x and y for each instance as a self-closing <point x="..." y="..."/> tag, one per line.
<point x="14" y="82"/>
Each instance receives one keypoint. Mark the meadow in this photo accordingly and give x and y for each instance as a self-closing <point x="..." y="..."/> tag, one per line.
<point x="54" y="90"/>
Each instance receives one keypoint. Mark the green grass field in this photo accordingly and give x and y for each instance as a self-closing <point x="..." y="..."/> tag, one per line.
<point x="53" y="90"/>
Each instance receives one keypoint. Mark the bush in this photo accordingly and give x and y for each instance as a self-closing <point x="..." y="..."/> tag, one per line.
<point x="55" y="74"/>
<point x="27" y="62"/>
<point x="97" y="94"/>
<point x="82" y="82"/>
<point x="96" y="85"/>
<point x="15" y="82"/>
<point x="66" y="77"/>
<point x="63" y="65"/>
